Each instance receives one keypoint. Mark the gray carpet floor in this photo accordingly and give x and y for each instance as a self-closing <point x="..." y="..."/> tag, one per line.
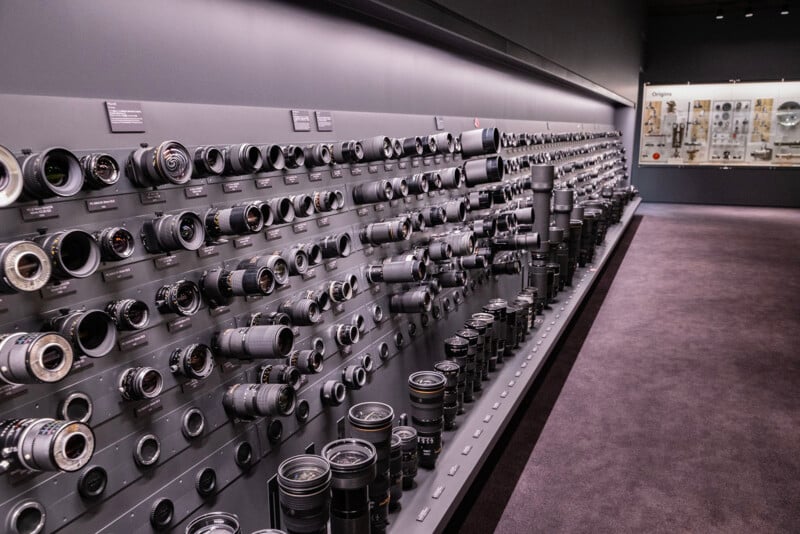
<point x="681" y="412"/>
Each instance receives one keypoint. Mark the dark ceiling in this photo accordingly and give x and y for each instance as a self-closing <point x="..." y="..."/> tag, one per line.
<point x="729" y="8"/>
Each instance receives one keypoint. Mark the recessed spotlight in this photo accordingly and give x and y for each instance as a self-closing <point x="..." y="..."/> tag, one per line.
<point x="748" y="12"/>
<point x="720" y="15"/>
<point x="785" y="9"/>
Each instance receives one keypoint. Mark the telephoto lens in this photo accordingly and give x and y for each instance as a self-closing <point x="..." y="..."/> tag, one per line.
<point x="178" y="231"/>
<point x="462" y="243"/>
<point x="11" y="181"/>
<point x="90" y="332"/>
<point x="73" y="253"/>
<point x="483" y="171"/>
<point x="214" y="523"/>
<point x="303" y="205"/>
<point x="426" y="390"/>
<point x="471" y="380"/>
<point x="412" y="146"/>
<point x="24" y="266"/>
<point x="138" y="383"/>
<point x="480" y="200"/>
<point x="455" y="210"/>
<point x="302" y="312"/>
<point x="272" y="158"/>
<point x="116" y="243"/>
<point x="559" y="254"/>
<point x="541" y="278"/>
<point x="490" y="340"/>
<point x="273" y="262"/>
<point x="418" y="300"/>
<point x="395" y="473"/>
<point x="296" y="259"/>
<point x="449" y="369"/>
<point x="510" y="314"/>
<point x="193" y="361"/>
<point x="396" y="272"/>
<point x="372" y="422"/>
<point x="353" y="467"/>
<point x="439" y="251"/>
<point x="307" y="361"/>
<point x="370" y="192"/>
<point x="100" y="170"/>
<point x="219" y="285"/>
<point x="279" y="374"/>
<point x="295" y="156"/>
<point x="47" y="444"/>
<point x="456" y="349"/>
<point x="282" y="209"/>
<point x="386" y="232"/>
<point x="409" y="457"/>
<point x="255" y="342"/>
<point x="562" y="208"/>
<point x="399" y="187"/>
<point x="498" y="311"/>
<point x="486" y="227"/>
<point x="474" y="261"/>
<point x="340" y="290"/>
<point x="377" y="148"/>
<point x="336" y="246"/>
<point x="452" y="278"/>
<point x="129" y="314"/>
<point x="481" y="361"/>
<point x="542" y="184"/>
<point x="434" y="215"/>
<point x="243" y="158"/>
<point x="477" y="142"/>
<point x="208" y="161"/>
<point x="251" y="401"/>
<point x="242" y="219"/>
<point x="181" y="297"/>
<point x="37" y="357"/>
<point x="417" y="184"/>
<point x="167" y="163"/>
<point x="451" y="177"/>
<point x="304" y="483"/>
<point x="318" y="155"/>
<point x="529" y="241"/>
<point x="445" y="143"/>
<point x="347" y="152"/>
<point x="54" y="172"/>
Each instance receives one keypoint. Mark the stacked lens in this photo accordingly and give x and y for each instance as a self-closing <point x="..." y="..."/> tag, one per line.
<point x="426" y="390"/>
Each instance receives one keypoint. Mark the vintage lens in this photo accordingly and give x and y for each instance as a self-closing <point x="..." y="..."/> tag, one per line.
<point x="481" y="360"/>
<point x="412" y="146"/>
<point x="347" y="152"/>
<point x="318" y="155"/>
<point x="136" y="383"/>
<point x="450" y="370"/>
<point x="208" y="161"/>
<point x="129" y="314"/>
<point x="409" y="457"/>
<point x="415" y="301"/>
<point x="73" y="253"/>
<point x="451" y="178"/>
<point x="472" y="380"/>
<point x="483" y="171"/>
<point x="242" y="219"/>
<point x="456" y="349"/>
<point x="242" y="159"/>
<point x="354" y="377"/>
<point x="272" y="158"/>
<point x="167" y="163"/>
<point x="100" y="170"/>
<point x="250" y="401"/>
<point x="332" y="393"/>
<point x="116" y="243"/>
<point x="181" y="297"/>
<point x="182" y="230"/>
<point x="255" y="342"/>
<point x="214" y="523"/>
<point x="397" y="272"/>
<point x="307" y="361"/>
<point x="47" y="444"/>
<point x="295" y="157"/>
<point x="194" y="361"/>
<point x="340" y="291"/>
<point x="282" y="209"/>
<point x="426" y="390"/>
<point x="434" y="215"/>
<point x="490" y="339"/>
<point x="386" y="232"/>
<point x="302" y="312"/>
<point x="11" y="182"/>
<point x="445" y="142"/>
<point x="303" y="205"/>
<point x="455" y="210"/>
<point x="279" y="374"/>
<point x="24" y="266"/>
<point x="337" y="245"/>
<point x="297" y="260"/>
<point x="353" y="466"/>
<point x="90" y="332"/>
<point x="372" y="421"/>
<point x="303" y="483"/>
<point x="377" y="148"/>
<point x="244" y="282"/>
<point x="498" y="311"/>
<point x="395" y="473"/>
<point x="36" y="357"/>
<point x="346" y="334"/>
<point x="368" y="192"/>
<point x="477" y="142"/>
<point x="324" y="201"/>
<point x="273" y="262"/>
<point x="54" y="172"/>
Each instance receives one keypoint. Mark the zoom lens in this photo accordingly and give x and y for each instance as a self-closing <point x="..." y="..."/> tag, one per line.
<point x="73" y="253"/>
<point x="167" y="163"/>
<point x="409" y="458"/>
<point x="242" y="159"/>
<point x="337" y="245"/>
<point x="178" y="231"/>
<point x="282" y="209"/>
<point x="477" y="142"/>
<point x="426" y="390"/>
<point x="395" y="473"/>
<point x="54" y="172"/>
<point x="24" y="266"/>
<point x="353" y="466"/>
<point x="100" y="170"/>
<point x="377" y="148"/>
<point x="208" y="161"/>
<point x="451" y="178"/>
<point x="318" y="155"/>
<point x="194" y="361"/>
<point x="90" y="332"/>
<point x="415" y="301"/>
<point x="116" y="243"/>
<point x="490" y="342"/>
<point x="279" y="374"/>
<point x="129" y="314"/>
<point x="137" y="383"/>
<point x="11" y="181"/>
<point x="251" y="401"/>
<point x="347" y="152"/>
<point x="307" y="361"/>
<point x="295" y="157"/>
<point x="219" y="285"/>
<point x="214" y="522"/>
<point x="47" y="444"/>
<point x="242" y="219"/>
<point x="372" y="422"/>
<point x="369" y="192"/>
<point x="397" y="272"/>
<point x="386" y="232"/>
<point x="456" y="349"/>
<point x="302" y="312"/>
<point x="273" y="262"/>
<point x="36" y="357"/>
<point x="483" y="171"/>
<point x="462" y="243"/>
<point x="181" y="297"/>
<point x="303" y="484"/>
<point x="445" y="143"/>
<point x="255" y="342"/>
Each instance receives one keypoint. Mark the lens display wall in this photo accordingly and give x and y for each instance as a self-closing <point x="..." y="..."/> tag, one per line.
<point x="182" y="318"/>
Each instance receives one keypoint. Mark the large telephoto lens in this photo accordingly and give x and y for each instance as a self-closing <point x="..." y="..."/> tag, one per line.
<point x="178" y="231"/>
<point x="353" y="465"/>
<point x="386" y="232"/>
<point x="369" y="192"/>
<point x="11" y="182"/>
<point x="242" y="219"/>
<point x="30" y="358"/>
<point x="450" y="370"/>
<point x="208" y="161"/>
<point x="54" y="172"/>
<point x="116" y="243"/>
<point x="409" y="459"/>
<point x="214" y="523"/>
<point x="24" y="266"/>
<point x="91" y="332"/>
<point x="181" y="297"/>
<point x="73" y="253"/>
<point x="303" y="483"/>
<point x="372" y="421"/>
<point x="100" y="170"/>
<point x="477" y="142"/>
<point x="167" y="163"/>
<point x="255" y="342"/>
<point x="456" y="349"/>
<point x="242" y="159"/>
<point x="395" y="473"/>
<point x="426" y="390"/>
<point x="251" y="401"/>
<point x="47" y="444"/>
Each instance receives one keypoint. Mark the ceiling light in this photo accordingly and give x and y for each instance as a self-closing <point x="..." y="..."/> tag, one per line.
<point x="720" y="15"/>
<point x="748" y="12"/>
<point x="785" y="9"/>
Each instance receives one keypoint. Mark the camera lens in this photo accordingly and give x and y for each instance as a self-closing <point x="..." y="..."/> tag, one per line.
<point x="337" y="245"/>
<point x="303" y="483"/>
<point x="408" y="447"/>
<point x="340" y="291"/>
<point x="395" y="473"/>
<point x="396" y="272"/>
<point x="54" y="172"/>
<point x="302" y="312"/>
<point x="434" y="215"/>
<point x="255" y="342"/>
<point x="250" y="401"/>
<point x="366" y="362"/>
<point x="273" y="262"/>
<point x="434" y="180"/>
<point x="116" y="243"/>
<point x="353" y="466"/>
<point x="208" y="161"/>
<point x="500" y="331"/>
<point x="181" y="297"/>
<point x="462" y="243"/>
<point x="24" y="266"/>
<point x="266" y="213"/>
<point x="377" y="148"/>
<point x="481" y="359"/>
<point x="426" y="390"/>
<point x="445" y="142"/>
<point x="11" y="181"/>
<point x="451" y="177"/>
<point x="472" y="379"/>
<point x="372" y="422"/>
<point x="455" y="211"/>
<point x="73" y="253"/>
<point x="29" y="358"/>
<point x="90" y="332"/>
<point x="369" y="192"/>
<point x="174" y="232"/>
<point x="242" y="159"/>
<point x="477" y="142"/>
<point x="303" y="205"/>
<point x="509" y="333"/>
<point x="282" y="209"/>
<point x="272" y="158"/>
<point x="332" y="393"/>
<point x="318" y="155"/>
<point x="307" y="361"/>
<point x="386" y="232"/>
<point x="482" y="171"/>
<point x="297" y="260"/>
<point x="347" y="152"/>
<point x="324" y="201"/>
<point x="167" y="163"/>
<point x="412" y="146"/>
<point x="136" y="383"/>
<point x="100" y="170"/>
<point x="429" y="145"/>
<point x="294" y="155"/>
<point x="456" y="349"/>
<point x="242" y="219"/>
<point x="452" y="278"/>
<point x="346" y="334"/>
<point x="129" y="314"/>
<point x="415" y="301"/>
<point x="194" y="361"/>
<point x="219" y="285"/>
<point x="47" y="444"/>
<point x="417" y="184"/>
<point x="354" y="377"/>
<point x="490" y="339"/>
<point x="213" y="522"/>
<point x="279" y="374"/>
